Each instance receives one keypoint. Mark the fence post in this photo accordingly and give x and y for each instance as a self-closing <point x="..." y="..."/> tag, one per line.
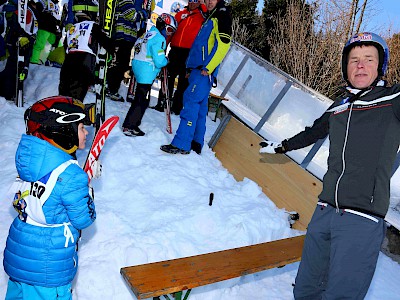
<point x="234" y="76"/>
<point x="272" y="107"/>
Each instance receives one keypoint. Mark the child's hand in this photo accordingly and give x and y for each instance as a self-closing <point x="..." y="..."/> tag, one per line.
<point x="96" y="168"/>
<point x="68" y="26"/>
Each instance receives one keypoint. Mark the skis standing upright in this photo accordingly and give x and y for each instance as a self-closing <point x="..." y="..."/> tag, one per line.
<point x="167" y="104"/>
<point x="19" y="94"/>
<point x="21" y="74"/>
<point x="107" y="14"/>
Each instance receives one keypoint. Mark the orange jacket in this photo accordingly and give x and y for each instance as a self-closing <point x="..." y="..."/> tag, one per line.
<point x="189" y="24"/>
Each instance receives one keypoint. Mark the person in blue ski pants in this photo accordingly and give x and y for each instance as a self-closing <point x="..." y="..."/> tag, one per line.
<point x="206" y="54"/>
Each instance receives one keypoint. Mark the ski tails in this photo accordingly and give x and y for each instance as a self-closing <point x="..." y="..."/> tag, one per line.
<point x="98" y="144"/>
<point x="107" y="9"/>
<point x="167" y="104"/>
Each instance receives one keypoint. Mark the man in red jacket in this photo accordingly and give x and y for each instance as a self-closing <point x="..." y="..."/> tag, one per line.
<point x="189" y="21"/>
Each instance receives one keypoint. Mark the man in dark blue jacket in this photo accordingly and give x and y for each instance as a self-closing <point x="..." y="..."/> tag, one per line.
<point x="206" y="54"/>
<point x="347" y="229"/>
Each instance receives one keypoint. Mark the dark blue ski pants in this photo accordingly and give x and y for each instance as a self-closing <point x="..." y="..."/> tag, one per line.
<point x="340" y="254"/>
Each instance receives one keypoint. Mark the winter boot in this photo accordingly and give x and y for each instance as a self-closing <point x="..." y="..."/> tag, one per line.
<point x="196" y="147"/>
<point x="158" y="107"/>
<point x="115" y="96"/>
<point x="173" y="150"/>
<point x="132" y="132"/>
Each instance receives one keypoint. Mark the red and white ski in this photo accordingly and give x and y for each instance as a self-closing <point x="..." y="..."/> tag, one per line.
<point x="98" y="144"/>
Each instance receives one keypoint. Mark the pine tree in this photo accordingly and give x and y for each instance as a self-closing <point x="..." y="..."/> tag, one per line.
<point x="247" y="20"/>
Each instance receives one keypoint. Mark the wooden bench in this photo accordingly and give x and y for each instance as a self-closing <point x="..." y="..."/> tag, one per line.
<point x="174" y="276"/>
<point x="214" y="103"/>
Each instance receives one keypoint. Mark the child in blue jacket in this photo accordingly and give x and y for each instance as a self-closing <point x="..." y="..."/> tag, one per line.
<point x="148" y="60"/>
<point x="52" y="200"/>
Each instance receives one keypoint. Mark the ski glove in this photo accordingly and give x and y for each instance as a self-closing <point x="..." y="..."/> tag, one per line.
<point x="68" y="27"/>
<point x="23" y="42"/>
<point x="272" y="147"/>
<point x="96" y="168"/>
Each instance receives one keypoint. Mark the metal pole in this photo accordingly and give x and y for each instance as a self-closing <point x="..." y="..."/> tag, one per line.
<point x="272" y="107"/>
<point x="234" y="76"/>
<point x="310" y="155"/>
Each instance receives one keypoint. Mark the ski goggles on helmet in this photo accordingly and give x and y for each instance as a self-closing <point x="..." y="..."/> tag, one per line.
<point x="193" y="1"/>
<point x="60" y="111"/>
<point x="169" y="30"/>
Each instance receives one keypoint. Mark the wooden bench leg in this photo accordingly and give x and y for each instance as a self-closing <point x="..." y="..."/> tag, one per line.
<point x="214" y="103"/>
<point x="177" y="296"/>
<point x="186" y="295"/>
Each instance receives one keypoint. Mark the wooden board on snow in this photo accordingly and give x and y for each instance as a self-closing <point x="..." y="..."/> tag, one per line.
<point x="281" y="179"/>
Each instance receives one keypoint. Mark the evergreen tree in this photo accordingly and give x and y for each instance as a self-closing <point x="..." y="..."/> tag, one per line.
<point x="245" y="12"/>
<point x="272" y="9"/>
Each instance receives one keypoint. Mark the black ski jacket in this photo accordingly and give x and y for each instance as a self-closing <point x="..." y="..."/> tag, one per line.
<point x="364" y="134"/>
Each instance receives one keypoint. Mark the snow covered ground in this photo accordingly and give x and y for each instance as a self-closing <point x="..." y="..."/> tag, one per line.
<point x="153" y="206"/>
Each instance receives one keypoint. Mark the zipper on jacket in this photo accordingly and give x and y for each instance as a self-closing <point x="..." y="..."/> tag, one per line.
<point x="343" y="157"/>
<point x="352" y="99"/>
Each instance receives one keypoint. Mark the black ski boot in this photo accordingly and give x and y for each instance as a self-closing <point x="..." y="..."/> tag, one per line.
<point x="114" y="96"/>
<point x="196" y="147"/>
<point x="158" y="107"/>
<point x="132" y="132"/>
<point x="171" y="149"/>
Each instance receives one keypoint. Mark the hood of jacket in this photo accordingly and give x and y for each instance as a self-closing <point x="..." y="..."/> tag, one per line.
<point x="36" y="158"/>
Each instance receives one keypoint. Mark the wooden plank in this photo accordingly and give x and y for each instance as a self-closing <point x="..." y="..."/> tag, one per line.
<point x="166" y="277"/>
<point x="281" y="179"/>
<point x="217" y="97"/>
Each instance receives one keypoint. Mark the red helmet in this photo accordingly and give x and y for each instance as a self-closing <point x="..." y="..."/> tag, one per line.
<point x="55" y="120"/>
<point x="168" y="22"/>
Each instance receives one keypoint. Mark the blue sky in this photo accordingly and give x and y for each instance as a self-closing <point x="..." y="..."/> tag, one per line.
<point x="388" y="12"/>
